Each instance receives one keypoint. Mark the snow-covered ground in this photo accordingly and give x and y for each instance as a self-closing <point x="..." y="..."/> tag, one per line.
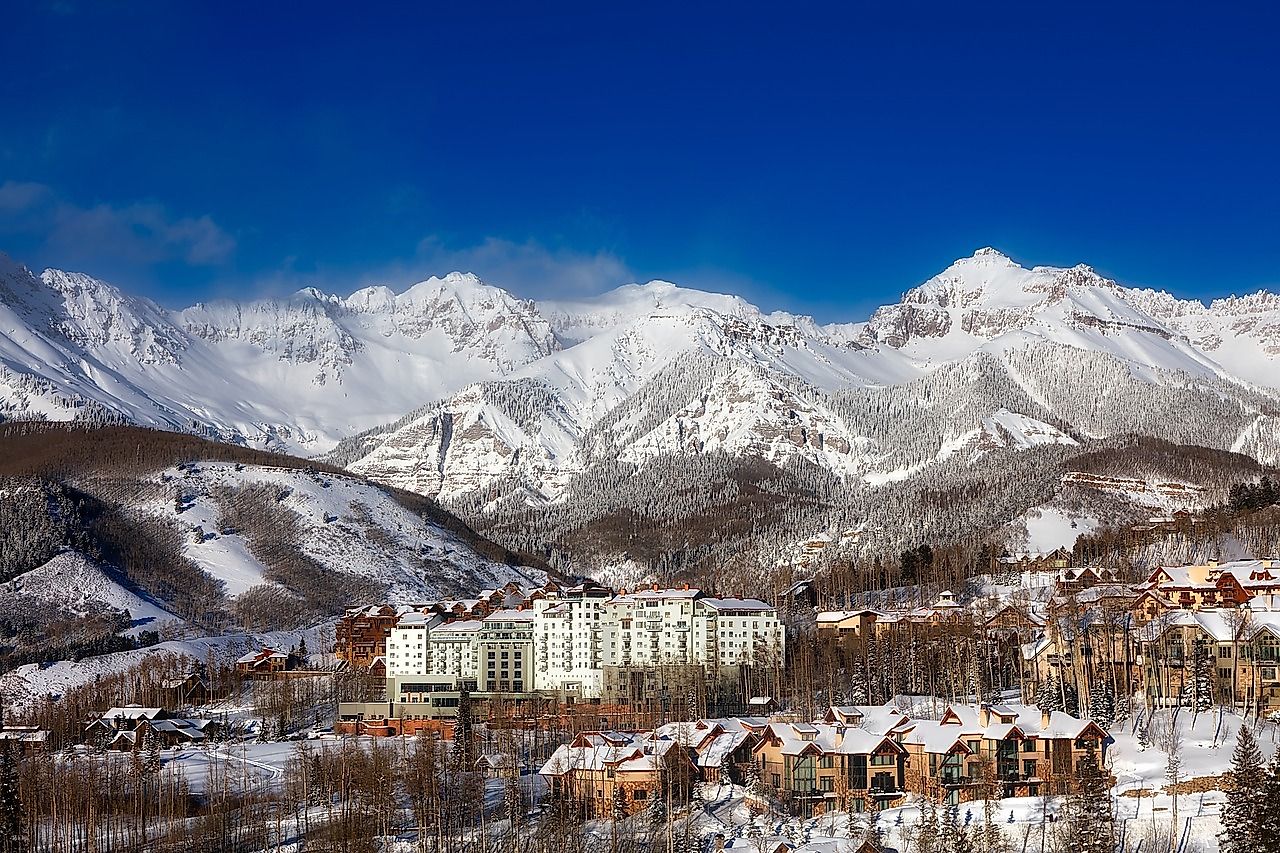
<point x="1050" y="528"/>
<point x="73" y="583"/>
<point x="347" y="525"/>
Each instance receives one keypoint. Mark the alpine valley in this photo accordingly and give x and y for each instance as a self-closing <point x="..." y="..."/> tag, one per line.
<point x="658" y="429"/>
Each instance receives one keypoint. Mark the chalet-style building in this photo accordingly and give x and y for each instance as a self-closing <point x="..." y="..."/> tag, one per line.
<point x="1235" y="650"/>
<point x="606" y="770"/>
<point x="722" y="749"/>
<point x="265" y="663"/>
<point x="827" y="766"/>
<point x="1073" y="580"/>
<point x="1216" y="584"/>
<point x="837" y="626"/>
<point x="1013" y="620"/>
<point x="1032" y="561"/>
<point x="190" y="689"/>
<point x="1018" y="749"/>
<point x="168" y="732"/>
<point x="122" y="728"/>
<point x="25" y="740"/>
<point x="360" y="635"/>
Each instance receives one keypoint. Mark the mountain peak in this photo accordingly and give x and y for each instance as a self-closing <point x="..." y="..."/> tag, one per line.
<point x="987" y="257"/>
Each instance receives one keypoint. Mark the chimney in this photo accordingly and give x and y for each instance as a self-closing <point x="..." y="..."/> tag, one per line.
<point x="655" y="586"/>
<point x="1045" y="716"/>
<point x="984" y="715"/>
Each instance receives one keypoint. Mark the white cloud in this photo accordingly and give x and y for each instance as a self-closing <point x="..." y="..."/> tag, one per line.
<point x="528" y="269"/>
<point x="143" y="232"/>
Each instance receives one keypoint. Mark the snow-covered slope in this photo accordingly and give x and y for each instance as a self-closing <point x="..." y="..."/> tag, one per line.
<point x="345" y="525"/>
<point x="73" y="584"/>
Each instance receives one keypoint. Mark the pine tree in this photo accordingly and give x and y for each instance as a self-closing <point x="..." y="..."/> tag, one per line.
<point x="618" y="809"/>
<point x="927" y="834"/>
<point x="302" y="649"/>
<point x="1048" y="697"/>
<point x="463" y="744"/>
<point x="1240" y="814"/>
<point x="1202" y="679"/>
<point x="1267" y="838"/>
<point x="952" y="836"/>
<point x="875" y="835"/>
<point x="1102" y="703"/>
<point x="1142" y="725"/>
<point x="657" y="811"/>
<point x="12" y="836"/>
<point x="150" y="753"/>
<point x="1088" y="824"/>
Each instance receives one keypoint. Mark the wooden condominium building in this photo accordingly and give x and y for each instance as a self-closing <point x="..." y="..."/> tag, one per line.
<point x="869" y="757"/>
<point x="819" y="767"/>
<point x="1221" y="656"/>
<point x="1211" y="585"/>
<point x="1008" y="750"/>
<point x="603" y="771"/>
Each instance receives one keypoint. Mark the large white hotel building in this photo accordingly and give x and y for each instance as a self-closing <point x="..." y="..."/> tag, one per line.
<point x="584" y="642"/>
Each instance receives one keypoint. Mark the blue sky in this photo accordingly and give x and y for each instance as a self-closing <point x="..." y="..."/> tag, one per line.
<point x="816" y="158"/>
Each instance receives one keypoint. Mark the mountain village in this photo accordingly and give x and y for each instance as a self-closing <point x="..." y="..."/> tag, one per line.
<point x="657" y="712"/>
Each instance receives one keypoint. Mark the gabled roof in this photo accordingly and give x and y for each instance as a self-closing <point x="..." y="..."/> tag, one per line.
<point x="132" y="712"/>
<point x="643" y="755"/>
<point x="935" y="737"/>
<point x="828" y="739"/>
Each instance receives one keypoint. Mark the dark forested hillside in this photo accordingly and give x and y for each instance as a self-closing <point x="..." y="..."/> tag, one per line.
<point x="115" y="501"/>
<point x="78" y="452"/>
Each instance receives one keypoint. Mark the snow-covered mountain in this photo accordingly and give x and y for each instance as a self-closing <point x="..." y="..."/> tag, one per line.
<point x="296" y="374"/>
<point x="458" y="389"/>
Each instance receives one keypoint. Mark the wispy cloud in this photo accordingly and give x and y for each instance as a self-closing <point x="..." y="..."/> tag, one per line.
<point x="528" y="269"/>
<point x="137" y="233"/>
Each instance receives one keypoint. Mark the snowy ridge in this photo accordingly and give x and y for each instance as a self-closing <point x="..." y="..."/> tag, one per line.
<point x="504" y="390"/>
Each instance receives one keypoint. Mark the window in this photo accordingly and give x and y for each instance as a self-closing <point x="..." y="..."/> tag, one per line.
<point x="885" y="760"/>
<point x="828" y="784"/>
<point x="1029" y="767"/>
<point x="827" y="762"/>
<point x="640" y="794"/>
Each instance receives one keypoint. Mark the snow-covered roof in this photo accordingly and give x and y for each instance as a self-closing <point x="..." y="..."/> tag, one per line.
<point x="796" y="738"/>
<point x="462" y="626"/>
<point x="1028" y="719"/>
<point x="132" y="712"/>
<point x="841" y="615"/>
<point x="935" y="737"/>
<point x="635" y="757"/>
<point x="651" y="594"/>
<point x="736" y="604"/>
<point x="509" y="615"/>
<point x="712" y="741"/>
<point x="1216" y="622"/>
